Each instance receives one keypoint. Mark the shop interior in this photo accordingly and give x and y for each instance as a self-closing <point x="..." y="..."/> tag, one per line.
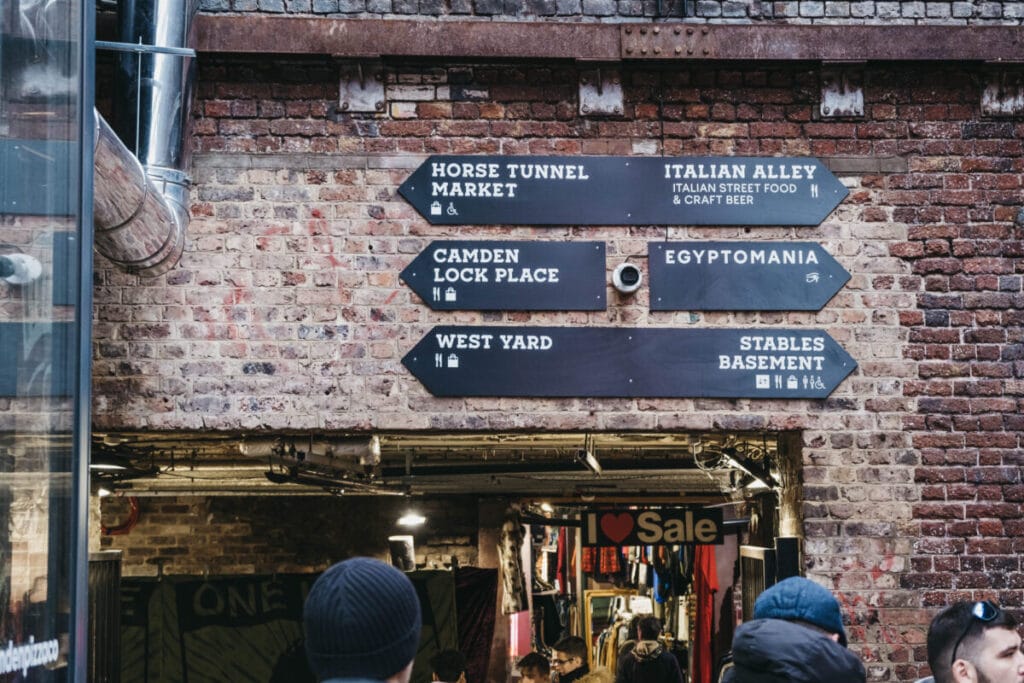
<point x="558" y="576"/>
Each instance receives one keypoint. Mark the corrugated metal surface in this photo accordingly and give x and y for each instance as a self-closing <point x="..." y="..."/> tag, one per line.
<point x="105" y="617"/>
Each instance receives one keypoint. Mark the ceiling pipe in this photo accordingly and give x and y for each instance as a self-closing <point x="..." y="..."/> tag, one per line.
<point x="340" y="454"/>
<point x="140" y="207"/>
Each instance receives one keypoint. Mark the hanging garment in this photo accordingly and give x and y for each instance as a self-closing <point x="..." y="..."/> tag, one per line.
<point x="609" y="561"/>
<point x="562" y="571"/>
<point x="705" y="584"/>
<point x="510" y="553"/>
<point x="548" y="621"/>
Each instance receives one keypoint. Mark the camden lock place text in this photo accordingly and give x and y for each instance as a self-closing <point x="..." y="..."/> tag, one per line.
<point x="497" y="265"/>
<point x="483" y="179"/>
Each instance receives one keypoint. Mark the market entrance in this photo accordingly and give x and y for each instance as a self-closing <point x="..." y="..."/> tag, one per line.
<point x="712" y="517"/>
<point x="597" y="565"/>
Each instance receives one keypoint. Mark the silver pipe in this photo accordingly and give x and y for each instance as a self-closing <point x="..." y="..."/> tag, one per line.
<point x="139" y="221"/>
<point x="141" y="202"/>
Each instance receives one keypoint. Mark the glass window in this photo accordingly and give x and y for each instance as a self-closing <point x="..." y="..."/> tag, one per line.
<point x="42" y="157"/>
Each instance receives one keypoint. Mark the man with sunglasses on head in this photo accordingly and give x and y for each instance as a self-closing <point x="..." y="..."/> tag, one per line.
<point x="975" y="643"/>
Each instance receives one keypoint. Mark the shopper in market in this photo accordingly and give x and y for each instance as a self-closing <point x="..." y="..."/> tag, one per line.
<point x="796" y="636"/>
<point x="975" y="643"/>
<point x="362" y="623"/>
<point x="569" y="659"/>
<point x="448" y="666"/>
<point x="534" y="668"/>
<point x="649" y="661"/>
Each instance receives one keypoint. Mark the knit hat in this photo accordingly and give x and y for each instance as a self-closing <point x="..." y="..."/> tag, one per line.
<point x="362" y="620"/>
<point x="800" y="599"/>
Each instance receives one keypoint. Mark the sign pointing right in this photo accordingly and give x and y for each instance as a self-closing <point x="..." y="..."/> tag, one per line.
<point x="626" y="362"/>
<point x="606" y="190"/>
<point x="742" y="276"/>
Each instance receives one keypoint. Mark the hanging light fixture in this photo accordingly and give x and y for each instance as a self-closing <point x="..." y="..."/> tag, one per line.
<point x="411" y="519"/>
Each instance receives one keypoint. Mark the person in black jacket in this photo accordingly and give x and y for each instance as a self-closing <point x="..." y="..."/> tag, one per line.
<point x="796" y="636"/>
<point x="648" y="661"/>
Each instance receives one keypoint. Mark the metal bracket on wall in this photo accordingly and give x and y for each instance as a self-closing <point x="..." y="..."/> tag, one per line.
<point x="1004" y="93"/>
<point x="361" y="88"/>
<point x="842" y="90"/>
<point x="601" y="92"/>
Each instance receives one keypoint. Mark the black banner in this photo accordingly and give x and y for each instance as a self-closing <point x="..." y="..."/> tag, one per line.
<point x="596" y="190"/>
<point x="624" y="362"/>
<point x="702" y="526"/>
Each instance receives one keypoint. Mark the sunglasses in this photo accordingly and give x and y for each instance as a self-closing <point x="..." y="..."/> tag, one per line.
<point x="984" y="611"/>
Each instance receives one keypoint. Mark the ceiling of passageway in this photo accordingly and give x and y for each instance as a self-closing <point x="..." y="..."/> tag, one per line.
<point x="702" y="467"/>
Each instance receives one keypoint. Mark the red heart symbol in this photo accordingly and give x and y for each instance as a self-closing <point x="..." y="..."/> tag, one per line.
<point x="616" y="527"/>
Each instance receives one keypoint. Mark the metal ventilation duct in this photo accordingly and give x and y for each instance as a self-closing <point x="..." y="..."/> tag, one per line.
<point x="141" y="202"/>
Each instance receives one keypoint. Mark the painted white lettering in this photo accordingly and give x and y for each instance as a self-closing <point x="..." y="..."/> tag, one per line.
<point x="464" y="341"/>
<point x="705" y="531"/>
<point x="649" y="524"/>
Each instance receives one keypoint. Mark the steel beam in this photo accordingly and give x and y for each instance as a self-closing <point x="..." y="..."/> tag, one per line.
<point x="360" y="38"/>
<point x="404" y="38"/>
<point x="822" y="42"/>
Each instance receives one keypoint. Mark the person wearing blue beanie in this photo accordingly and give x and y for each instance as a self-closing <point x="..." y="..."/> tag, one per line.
<point x="362" y="622"/>
<point x="796" y="636"/>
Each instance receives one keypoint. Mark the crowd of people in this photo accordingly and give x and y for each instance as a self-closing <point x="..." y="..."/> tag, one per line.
<point x="362" y="625"/>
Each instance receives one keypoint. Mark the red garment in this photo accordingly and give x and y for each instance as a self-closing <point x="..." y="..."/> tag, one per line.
<point x="562" y="571"/>
<point x="705" y="585"/>
<point x="588" y="560"/>
<point x="609" y="561"/>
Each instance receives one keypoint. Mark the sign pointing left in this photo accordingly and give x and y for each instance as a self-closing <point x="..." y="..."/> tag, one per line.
<point x="462" y="275"/>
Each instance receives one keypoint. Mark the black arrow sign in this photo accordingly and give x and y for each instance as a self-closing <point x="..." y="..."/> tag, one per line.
<point x="742" y="276"/>
<point x="593" y="190"/>
<point x="618" y="362"/>
<point x="510" y="276"/>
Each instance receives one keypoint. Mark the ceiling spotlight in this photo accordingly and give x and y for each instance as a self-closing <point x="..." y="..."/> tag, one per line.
<point x="588" y="460"/>
<point x="754" y="473"/>
<point x="547" y="507"/>
<point x="411" y="519"/>
<point x="106" y="467"/>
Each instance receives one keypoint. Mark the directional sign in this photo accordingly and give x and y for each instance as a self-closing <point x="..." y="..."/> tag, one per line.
<point x="510" y="276"/>
<point x="623" y="362"/>
<point x="593" y="190"/>
<point x="742" y="276"/>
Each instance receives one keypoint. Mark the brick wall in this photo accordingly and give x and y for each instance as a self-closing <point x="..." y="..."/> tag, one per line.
<point x="935" y="12"/>
<point x="287" y="312"/>
<point x="263" y="535"/>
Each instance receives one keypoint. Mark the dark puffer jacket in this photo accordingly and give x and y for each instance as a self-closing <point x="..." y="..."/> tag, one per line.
<point x="649" y="662"/>
<point x="777" y="651"/>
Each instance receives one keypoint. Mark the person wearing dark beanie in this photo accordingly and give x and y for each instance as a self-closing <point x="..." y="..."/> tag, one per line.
<point x="796" y="636"/>
<point x="362" y="622"/>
